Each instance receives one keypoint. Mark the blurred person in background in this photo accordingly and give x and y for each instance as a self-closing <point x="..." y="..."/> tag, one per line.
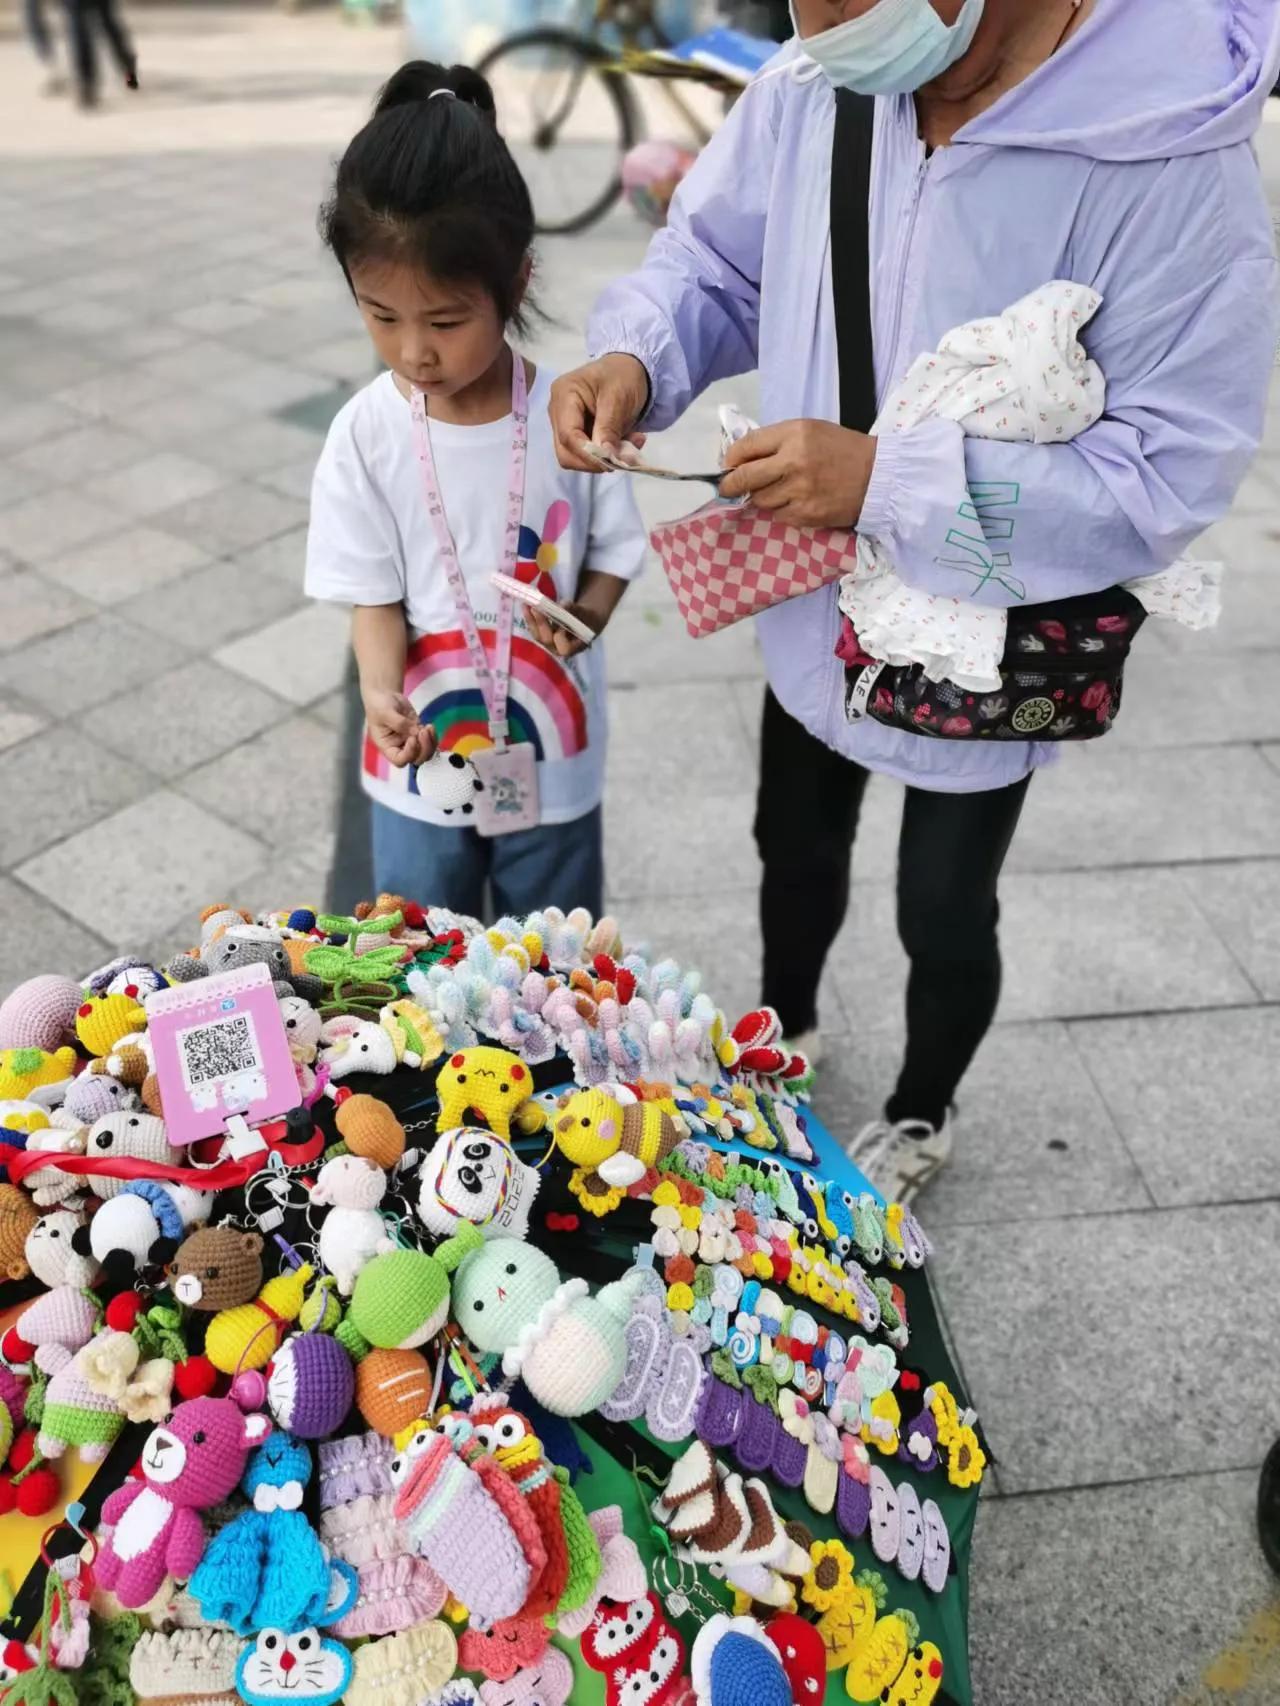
<point x="84" y="18"/>
<point x="41" y="39"/>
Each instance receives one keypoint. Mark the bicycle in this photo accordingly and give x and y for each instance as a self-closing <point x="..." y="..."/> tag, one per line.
<point x="569" y="114"/>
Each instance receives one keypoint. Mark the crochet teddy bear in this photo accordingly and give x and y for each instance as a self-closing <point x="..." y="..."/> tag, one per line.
<point x="18" y="1218"/>
<point x="567" y="1346"/>
<point x="353" y="1231"/>
<point x="216" y="1268"/>
<point x="153" y="1526"/>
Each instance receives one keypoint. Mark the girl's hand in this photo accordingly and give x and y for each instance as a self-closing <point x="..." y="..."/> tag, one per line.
<point x="559" y="640"/>
<point x="395" y="730"/>
<point x="810" y="472"/>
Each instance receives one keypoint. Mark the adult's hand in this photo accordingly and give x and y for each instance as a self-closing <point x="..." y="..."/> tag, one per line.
<point x="809" y="472"/>
<point x="598" y="404"/>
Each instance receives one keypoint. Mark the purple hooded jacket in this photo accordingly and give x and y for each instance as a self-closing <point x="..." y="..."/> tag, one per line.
<point x="1125" y="163"/>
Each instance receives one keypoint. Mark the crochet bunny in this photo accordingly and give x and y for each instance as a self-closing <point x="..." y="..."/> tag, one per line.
<point x="154" y="1527"/>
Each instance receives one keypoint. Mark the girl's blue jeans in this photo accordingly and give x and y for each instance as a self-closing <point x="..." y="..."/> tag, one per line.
<point x="556" y="864"/>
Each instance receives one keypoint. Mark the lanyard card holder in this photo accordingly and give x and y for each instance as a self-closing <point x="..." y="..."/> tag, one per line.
<point x="508" y="796"/>
<point x="508" y="800"/>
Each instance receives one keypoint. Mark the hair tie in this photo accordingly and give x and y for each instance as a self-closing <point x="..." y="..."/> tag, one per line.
<point x="452" y="94"/>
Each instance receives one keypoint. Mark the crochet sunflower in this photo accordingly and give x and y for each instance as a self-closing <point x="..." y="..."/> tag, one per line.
<point x="830" y="1575"/>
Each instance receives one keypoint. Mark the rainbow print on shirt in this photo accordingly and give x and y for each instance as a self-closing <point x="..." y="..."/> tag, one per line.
<point x="546" y="707"/>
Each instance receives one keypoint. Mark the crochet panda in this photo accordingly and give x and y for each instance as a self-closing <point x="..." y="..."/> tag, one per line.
<point x="475" y="1175"/>
<point x="450" y="783"/>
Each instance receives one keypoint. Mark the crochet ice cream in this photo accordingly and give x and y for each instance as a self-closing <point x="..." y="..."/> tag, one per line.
<point x="567" y="1346"/>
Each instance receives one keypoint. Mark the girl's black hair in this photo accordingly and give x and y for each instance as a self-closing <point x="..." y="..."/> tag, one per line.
<point x="429" y="181"/>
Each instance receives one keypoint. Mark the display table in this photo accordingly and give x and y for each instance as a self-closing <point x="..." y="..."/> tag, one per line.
<point x="750" y="1140"/>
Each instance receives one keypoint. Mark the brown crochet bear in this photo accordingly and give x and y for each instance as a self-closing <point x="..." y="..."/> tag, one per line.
<point x="217" y="1268"/>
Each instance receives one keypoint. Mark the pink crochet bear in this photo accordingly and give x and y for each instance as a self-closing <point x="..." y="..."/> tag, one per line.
<point x="192" y="1462"/>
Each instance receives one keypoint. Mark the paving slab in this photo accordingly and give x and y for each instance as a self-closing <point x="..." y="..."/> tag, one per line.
<point x="161" y="859"/>
<point x="1150" y="1584"/>
<point x="1194" y="1096"/>
<point x="1101" y="1348"/>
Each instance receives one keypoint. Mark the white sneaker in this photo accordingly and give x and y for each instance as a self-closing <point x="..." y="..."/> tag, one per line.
<point x="808" y="1043"/>
<point x="901" y="1159"/>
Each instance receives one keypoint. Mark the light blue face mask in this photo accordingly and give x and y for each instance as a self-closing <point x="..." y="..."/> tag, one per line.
<point x="898" y="45"/>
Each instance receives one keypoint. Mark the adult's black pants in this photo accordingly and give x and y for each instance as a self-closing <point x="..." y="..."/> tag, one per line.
<point x="950" y="852"/>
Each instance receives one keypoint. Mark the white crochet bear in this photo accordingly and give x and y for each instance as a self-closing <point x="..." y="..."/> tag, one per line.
<point x="353" y="1231"/>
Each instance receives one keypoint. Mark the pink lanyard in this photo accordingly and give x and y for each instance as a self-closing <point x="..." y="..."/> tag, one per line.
<point x="495" y="679"/>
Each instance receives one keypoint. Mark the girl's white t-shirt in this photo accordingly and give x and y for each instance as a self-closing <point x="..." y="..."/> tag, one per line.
<point x="370" y="541"/>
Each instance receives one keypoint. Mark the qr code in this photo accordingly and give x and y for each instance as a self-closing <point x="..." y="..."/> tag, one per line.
<point x="224" y="1049"/>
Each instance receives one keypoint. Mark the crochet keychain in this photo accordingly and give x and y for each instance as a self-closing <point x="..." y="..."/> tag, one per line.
<point x="63" y="1636"/>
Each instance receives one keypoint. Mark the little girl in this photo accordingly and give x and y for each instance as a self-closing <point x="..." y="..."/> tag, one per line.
<point x="434" y="477"/>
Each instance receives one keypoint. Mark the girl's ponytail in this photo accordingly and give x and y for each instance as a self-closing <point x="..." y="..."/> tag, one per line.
<point x="420" y="80"/>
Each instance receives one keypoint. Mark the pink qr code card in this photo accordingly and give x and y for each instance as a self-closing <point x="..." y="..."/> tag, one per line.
<point x="220" y="1048"/>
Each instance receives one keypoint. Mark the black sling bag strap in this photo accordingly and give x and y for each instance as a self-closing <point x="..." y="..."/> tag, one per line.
<point x="851" y="257"/>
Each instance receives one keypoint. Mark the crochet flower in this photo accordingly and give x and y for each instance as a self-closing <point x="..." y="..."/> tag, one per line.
<point x="146" y="1397"/>
<point x="597" y="1203"/>
<point x="826" y="1436"/>
<point x="107" y="1362"/>
<point x="857" y="1459"/>
<point x="941" y="1401"/>
<point x="965" y="1458"/>
<point x="795" y="1415"/>
<point x="830" y="1574"/>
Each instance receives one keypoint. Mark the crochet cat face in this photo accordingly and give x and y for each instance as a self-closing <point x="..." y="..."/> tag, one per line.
<point x="304" y="1667"/>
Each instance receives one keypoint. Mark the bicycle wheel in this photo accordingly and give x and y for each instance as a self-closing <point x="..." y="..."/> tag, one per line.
<point x="567" y="120"/>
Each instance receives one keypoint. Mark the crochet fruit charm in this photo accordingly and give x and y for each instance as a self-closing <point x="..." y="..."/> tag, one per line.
<point x="247" y="1337"/>
<point x="194" y="1461"/>
<point x="401" y="1298"/>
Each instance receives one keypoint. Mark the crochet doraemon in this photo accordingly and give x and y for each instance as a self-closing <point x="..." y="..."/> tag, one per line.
<point x="267" y="1568"/>
<point x="306" y="1666"/>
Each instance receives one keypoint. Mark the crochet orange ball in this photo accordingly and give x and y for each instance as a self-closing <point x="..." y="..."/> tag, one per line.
<point x="393" y="1388"/>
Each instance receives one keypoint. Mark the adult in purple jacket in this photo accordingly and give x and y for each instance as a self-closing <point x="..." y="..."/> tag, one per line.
<point x="1016" y="141"/>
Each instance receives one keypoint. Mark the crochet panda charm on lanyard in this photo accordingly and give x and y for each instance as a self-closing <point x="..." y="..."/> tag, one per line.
<point x="507" y="799"/>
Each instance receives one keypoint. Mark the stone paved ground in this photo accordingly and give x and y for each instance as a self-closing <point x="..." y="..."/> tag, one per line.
<point x="171" y="343"/>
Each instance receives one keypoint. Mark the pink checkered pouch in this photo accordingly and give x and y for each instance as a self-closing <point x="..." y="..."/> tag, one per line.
<point x="726" y="562"/>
